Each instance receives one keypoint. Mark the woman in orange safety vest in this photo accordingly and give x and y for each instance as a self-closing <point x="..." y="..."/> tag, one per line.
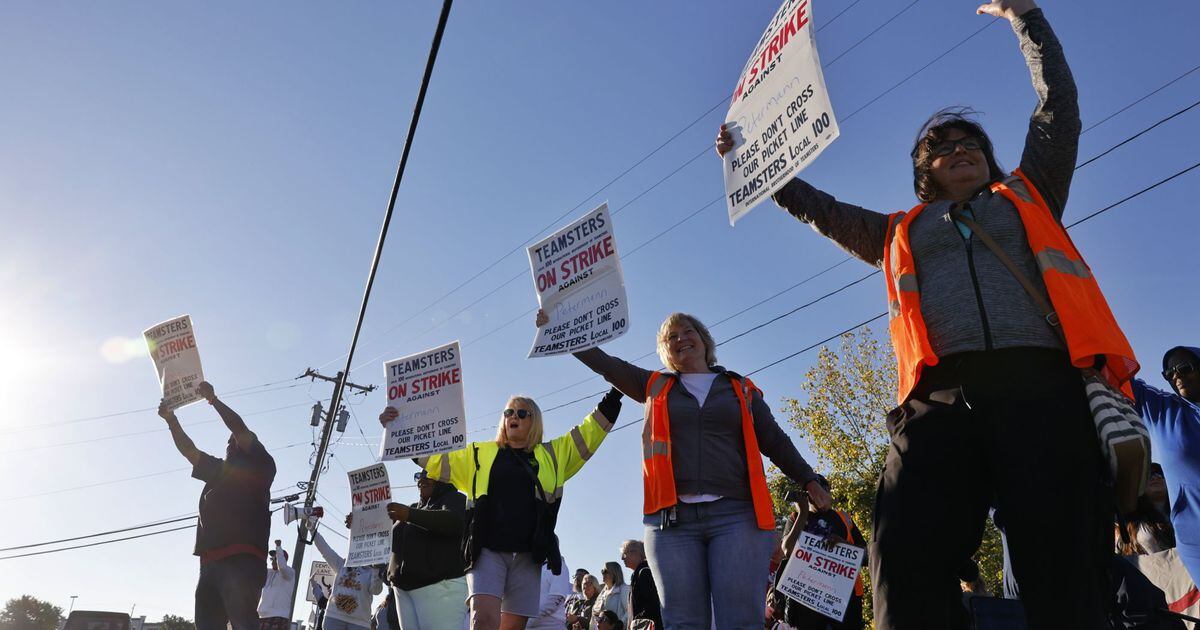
<point x="992" y="408"/>
<point x="707" y="511"/>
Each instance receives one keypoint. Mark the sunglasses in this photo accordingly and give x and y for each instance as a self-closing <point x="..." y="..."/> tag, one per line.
<point x="519" y="413"/>
<point x="1183" y="369"/>
<point x="946" y="147"/>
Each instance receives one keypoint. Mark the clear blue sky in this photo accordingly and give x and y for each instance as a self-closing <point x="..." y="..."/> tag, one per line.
<point x="233" y="162"/>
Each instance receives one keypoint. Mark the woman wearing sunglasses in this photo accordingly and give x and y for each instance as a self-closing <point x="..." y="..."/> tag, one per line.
<point x="992" y="406"/>
<point x="1174" y="423"/>
<point x="513" y="486"/>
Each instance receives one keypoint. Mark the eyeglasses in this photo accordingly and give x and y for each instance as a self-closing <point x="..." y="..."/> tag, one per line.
<point x="1183" y="369"/>
<point x="520" y="413"/>
<point x="946" y="147"/>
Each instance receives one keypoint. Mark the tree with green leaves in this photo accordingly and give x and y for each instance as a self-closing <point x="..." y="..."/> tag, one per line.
<point x="30" y="613"/>
<point x="850" y="391"/>
<point x="175" y="622"/>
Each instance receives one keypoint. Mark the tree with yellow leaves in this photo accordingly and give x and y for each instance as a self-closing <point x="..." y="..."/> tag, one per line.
<point x="849" y="393"/>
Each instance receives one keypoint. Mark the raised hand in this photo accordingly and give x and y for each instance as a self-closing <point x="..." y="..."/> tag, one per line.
<point x="165" y="412"/>
<point x="206" y="391"/>
<point x="388" y="415"/>
<point x="724" y="141"/>
<point x="1007" y="9"/>
<point x="542" y="319"/>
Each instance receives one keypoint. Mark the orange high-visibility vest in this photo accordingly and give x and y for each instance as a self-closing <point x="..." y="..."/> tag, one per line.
<point x="858" y="582"/>
<point x="1080" y="308"/>
<point x="658" y="475"/>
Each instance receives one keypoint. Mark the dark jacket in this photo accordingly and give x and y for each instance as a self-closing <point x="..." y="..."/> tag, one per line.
<point x="426" y="549"/>
<point x="234" y="503"/>
<point x="643" y="596"/>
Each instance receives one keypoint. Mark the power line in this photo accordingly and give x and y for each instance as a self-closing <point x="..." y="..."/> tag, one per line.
<point x="96" y="544"/>
<point x="166" y="521"/>
<point x="1144" y="190"/>
<point x="233" y="394"/>
<point x="877" y="29"/>
<point x="116" y="481"/>
<point x="1135" y="136"/>
<point x="146" y="432"/>
<point x="1123" y="109"/>
<point x="107" y="533"/>
<point x="921" y="69"/>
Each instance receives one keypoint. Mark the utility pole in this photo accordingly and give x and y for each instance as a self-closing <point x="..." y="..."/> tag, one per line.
<point x="322" y="449"/>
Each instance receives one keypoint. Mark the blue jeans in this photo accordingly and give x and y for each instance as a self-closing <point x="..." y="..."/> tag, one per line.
<point x="714" y="561"/>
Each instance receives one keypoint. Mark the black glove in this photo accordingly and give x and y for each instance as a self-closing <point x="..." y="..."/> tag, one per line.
<point x="610" y="405"/>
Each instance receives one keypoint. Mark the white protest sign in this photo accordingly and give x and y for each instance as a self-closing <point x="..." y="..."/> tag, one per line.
<point x="780" y="114"/>
<point x="426" y="388"/>
<point x="371" y="529"/>
<point x="821" y="579"/>
<point x="172" y="346"/>
<point x="322" y="574"/>
<point x="577" y="274"/>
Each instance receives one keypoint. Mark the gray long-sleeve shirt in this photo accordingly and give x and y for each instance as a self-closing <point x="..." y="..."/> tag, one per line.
<point x="708" y="451"/>
<point x="1003" y="315"/>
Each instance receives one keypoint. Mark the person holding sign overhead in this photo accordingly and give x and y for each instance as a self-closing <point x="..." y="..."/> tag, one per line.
<point x="513" y="486"/>
<point x="235" y="522"/>
<point x="708" y="515"/>
<point x="349" y="606"/>
<point x="993" y="314"/>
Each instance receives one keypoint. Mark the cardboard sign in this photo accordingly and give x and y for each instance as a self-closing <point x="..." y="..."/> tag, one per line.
<point x="819" y="578"/>
<point x="322" y="574"/>
<point x="577" y="275"/>
<point x="371" y="529"/>
<point x="780" y="115"/>
<point x="172" y="346"/>
<point x="426" y="388"/>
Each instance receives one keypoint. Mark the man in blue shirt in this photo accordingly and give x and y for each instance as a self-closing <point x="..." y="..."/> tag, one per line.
<point x="1174" y="423"/>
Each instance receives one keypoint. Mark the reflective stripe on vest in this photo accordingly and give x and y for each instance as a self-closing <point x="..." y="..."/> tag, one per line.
<point x="1087" y="322"/>
<point x="658" y="475"/>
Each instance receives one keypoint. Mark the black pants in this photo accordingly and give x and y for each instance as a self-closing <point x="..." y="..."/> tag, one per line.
<point x="228" y="591"/>
<point x="1004" y="428"/>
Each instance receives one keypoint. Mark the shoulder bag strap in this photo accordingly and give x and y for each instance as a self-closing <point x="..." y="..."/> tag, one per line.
<point x="1038" y="299"/>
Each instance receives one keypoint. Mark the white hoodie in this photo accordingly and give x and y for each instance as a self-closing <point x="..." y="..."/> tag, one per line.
<point x="277" y="592"/>
<point x="353" y="587"/>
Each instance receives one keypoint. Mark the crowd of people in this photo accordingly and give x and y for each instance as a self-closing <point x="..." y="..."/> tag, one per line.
<point x="995" y="319"/>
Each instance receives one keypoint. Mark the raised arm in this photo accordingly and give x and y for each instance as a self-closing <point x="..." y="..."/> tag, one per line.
<point x="287" y="572"/>
<point x="327" y="552"/>
<point x="571" y="451"/>
<point x="183" y="443"/>
<point x="859" y="231"/>
<point x="776" y="445"/>
<point x="244" y="437"/>
<point x="1154" y="405"/>
<point x="619" y="373"/>
<point x="1052" y="143"/>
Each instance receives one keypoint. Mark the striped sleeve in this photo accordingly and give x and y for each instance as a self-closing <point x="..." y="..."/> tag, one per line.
<point x="573" y="450"/>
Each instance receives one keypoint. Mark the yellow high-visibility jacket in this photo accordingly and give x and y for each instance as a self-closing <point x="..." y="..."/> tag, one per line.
<point x="469" y="470"/>
<point x="558" y="460"/>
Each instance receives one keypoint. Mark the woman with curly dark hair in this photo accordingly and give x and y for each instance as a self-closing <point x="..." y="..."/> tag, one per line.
<point x="993" y="315"/>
